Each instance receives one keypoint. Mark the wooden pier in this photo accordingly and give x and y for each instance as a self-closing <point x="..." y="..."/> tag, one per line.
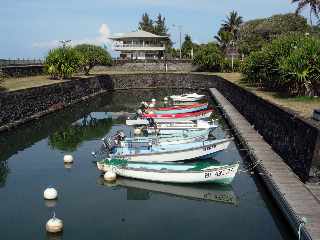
<point x="300" y="203"/>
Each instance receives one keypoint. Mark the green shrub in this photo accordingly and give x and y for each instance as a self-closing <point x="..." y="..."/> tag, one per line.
<point x="208" y="57"/>
<point x="290" y="63"/>
<point x="63" y="62"/>
<point x="300" y="71"/>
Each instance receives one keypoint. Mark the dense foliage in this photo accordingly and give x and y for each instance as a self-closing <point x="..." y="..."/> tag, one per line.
<point x="157" y="26"/>
<point x="188" y="47"/>
<point x="92" y="56"/>
<point x="208" y="57"/>
<point x="256" y="33"/>
<point x="290" y="63"/>
<point x="62" y="62"/>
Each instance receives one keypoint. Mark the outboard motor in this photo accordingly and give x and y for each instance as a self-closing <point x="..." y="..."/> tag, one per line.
<point x="108" y="144"/>
<point x="152" y="123"/>
<point x="143" y="107"/>
<point x="139" y="112"/>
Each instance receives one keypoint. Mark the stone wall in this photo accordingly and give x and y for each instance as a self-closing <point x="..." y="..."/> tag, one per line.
<point x="23" y="105"/>
<point x="295" y="139"/>
<point x="148" y="66"/>
<point x="21" y="71"/>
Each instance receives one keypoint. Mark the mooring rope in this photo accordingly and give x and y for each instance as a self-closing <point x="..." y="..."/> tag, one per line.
<point x="250" y="168"/>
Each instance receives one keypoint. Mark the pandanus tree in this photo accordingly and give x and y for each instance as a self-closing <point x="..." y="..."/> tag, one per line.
<point x="314" y="7"/>
<point x="92" y="56"/>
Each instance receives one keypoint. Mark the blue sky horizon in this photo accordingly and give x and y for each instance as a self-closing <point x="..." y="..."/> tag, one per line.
<point x="30" y="28"/>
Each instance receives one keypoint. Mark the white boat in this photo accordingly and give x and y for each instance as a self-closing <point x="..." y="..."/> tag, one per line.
<point x="171" y="173"/>
<point x="165" y="118"/>
<point x="169" y="153"/>
<point x="173" y="127"/>
<point x="191" y="97"/>
<point x="147" y="141"/>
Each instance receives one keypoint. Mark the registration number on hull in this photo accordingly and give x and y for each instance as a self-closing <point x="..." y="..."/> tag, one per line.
<point x="207" y="148"/>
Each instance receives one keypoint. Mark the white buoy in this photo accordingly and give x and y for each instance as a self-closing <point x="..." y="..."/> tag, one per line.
<point x="68" y="159"/>
<point x="110" y="176"/>
<point x="166" y="99"/>
<point x="153" y="100"/>
<point x="137" y="131"/>
<point x="50" y="193"/>
<point x="54" y="225"/>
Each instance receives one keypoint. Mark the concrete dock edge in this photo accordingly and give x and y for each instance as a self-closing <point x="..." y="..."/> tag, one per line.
<point x="291" y="195"/>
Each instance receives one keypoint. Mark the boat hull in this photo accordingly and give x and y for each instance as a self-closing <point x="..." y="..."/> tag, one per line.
<point x="207" y="148"/>
<point x="187" y="98"/>
<point x="178" y="110"/>
<point x="221" y="175"/>
<point x="165" y="118"/>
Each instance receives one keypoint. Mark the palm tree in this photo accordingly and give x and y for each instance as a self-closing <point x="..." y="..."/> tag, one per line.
<point x="232" y="24"/>
<point x="313" y="4"/>
<point x="223" y="39"/>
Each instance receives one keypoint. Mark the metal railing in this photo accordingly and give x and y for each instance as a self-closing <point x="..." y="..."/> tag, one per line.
<point x="137" y="45"/>
<point x="20" y="62"/>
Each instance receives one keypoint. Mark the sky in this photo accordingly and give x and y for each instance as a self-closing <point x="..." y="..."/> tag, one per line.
<point x="29" y="28"/>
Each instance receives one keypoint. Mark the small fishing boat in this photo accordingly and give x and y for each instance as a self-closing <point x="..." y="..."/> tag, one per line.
<point x="200" y="172"/>
<point x="174" y="127"/>
<point x="191" y="97"/>
<point x="162" y="118"/>
<point x="160" y="140"/>
<point x="178" y="117"/>
<point x="175" y="109"/>
<point x="167" y="153"/>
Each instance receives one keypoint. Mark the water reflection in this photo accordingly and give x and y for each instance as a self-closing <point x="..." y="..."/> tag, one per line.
<point x="141" y="190"/>
<point x="88" y="128"/>
<point x="4" y="170"/>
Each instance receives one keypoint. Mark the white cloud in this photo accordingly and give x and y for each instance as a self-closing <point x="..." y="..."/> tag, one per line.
<point x="101" y="39"/>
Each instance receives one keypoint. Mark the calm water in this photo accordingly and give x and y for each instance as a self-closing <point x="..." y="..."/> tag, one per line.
<point x="32" y="158"/>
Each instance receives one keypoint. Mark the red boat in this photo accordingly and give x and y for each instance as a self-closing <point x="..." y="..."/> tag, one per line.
<point x="178" y="117"/>
<point x="178" y="109"/>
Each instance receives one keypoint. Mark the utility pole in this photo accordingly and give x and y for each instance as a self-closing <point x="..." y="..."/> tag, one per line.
<point x="180" y="36"/>
<point x="232" y="43"/>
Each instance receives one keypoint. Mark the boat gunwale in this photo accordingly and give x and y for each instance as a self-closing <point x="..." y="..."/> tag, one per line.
<point x="234" y="165"/>
<point x="182" y="107"/>
<point x="177" y="115"/>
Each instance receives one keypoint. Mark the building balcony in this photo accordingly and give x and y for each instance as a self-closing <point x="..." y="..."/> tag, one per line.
<point x="139" y="47"/>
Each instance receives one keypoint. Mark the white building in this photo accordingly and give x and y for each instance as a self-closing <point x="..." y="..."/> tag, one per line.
<point x="139" y="45"/>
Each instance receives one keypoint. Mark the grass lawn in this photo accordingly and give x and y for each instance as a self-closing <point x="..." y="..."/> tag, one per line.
<point x="303" y="106"/>
<point x="12" y="84"/>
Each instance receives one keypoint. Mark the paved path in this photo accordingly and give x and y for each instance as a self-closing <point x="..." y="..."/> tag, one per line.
<point x="293" y="197"/>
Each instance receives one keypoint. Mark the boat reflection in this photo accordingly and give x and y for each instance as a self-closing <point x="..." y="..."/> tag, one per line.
<point x="141" y="190"/>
